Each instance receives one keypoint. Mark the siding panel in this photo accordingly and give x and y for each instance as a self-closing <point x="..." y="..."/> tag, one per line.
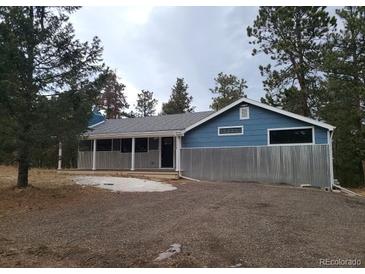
<point x="255" y="129"/>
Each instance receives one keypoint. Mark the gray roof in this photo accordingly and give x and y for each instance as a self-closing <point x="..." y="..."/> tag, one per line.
<point x="170" y="122"/>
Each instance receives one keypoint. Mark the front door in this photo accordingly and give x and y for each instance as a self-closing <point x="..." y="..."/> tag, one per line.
<point x="167" y="152"/>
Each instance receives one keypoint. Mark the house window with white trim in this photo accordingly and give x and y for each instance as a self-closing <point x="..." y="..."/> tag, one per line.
<point x="244" y="113"/>
<point x="290" y="136"/>
<point x="228" y="131"/>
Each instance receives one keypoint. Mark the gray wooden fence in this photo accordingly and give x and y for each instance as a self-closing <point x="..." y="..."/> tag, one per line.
<point x="306" y="164"/>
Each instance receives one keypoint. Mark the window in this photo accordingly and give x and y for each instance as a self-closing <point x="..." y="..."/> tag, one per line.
<point x="116" y="144"/>
<point x="291" y="136"/>
<point x="234" y="130"/>
<point x="104" y="145"/>
<point x="153" y="143"/>
<point x="86" y="145"/>
<point x="141" y="145"/>
<point x="126" y="146"/>
<point x="244" y="113"/>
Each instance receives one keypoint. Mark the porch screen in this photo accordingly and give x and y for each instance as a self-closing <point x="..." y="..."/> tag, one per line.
<point x="153" y="143"/>
<point x="104" y="145"/>
<point x="141" y="145"/>
<point x="86" y="145"/>
<point x="126" y="145"/>
<point x="116" y="144"/>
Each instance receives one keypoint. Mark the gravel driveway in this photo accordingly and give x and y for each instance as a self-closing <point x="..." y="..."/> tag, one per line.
<point x="217" y="224"/>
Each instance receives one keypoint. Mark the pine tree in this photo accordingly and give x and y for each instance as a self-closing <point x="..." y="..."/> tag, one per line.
<point x="180" y="101"/>
<point x="229" y="89"/>
<point x="293" y="37"/>
<point x="146" y="104"/>
<point x="46" y="78"/>
<point x="112" y="99"/>
<point x="343" y="100"/>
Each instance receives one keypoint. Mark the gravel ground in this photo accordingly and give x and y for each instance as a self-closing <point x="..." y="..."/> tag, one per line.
<point x="217" y="224"/>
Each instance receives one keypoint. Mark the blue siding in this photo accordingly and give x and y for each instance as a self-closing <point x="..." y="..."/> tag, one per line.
<point x="255" y="129"/>
<point x="96" y="117"/>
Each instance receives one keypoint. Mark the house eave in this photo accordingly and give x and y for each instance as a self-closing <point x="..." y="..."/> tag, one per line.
<point x="90" y="136"/>
<point x="264" y="106"/>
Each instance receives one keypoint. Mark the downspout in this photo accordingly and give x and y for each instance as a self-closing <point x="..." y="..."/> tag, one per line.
<point x="330" y="140"/>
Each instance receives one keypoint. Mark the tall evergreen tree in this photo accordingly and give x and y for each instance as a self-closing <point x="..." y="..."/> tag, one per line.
<point x="46" y="78"/>
<point x="112" y="99"/>
<point x="343" y="100"/>
<point x="146" y="104"/>
<point x="293" y="37"/>
<point x="229" y="89"/>
<point x="180" y="101"/>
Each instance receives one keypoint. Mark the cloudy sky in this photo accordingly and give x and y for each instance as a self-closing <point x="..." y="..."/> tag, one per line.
<point x="151" y="46"/>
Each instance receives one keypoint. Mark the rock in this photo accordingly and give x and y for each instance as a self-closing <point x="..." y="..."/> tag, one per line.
<point x="174" y="249"/>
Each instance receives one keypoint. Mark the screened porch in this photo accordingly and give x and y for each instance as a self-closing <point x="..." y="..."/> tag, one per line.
<point x="142" y="153"/>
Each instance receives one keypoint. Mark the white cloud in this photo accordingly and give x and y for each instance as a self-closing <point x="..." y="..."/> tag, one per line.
<point x="151" y="46"/>
<point x="138" y="15"/>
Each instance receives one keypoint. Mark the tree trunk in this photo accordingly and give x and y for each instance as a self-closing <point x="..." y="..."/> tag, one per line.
<point x="23" y="167"/>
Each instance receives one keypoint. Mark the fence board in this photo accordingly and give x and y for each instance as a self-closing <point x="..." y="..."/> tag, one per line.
<point x="294" y="165"/>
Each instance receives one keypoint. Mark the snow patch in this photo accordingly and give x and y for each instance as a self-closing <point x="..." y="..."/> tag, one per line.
<point x="123" y="184"/>
<point x="174" y="249"/>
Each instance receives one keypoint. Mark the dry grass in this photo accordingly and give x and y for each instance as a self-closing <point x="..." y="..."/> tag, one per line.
<point x="41" y="178"/>
<point x="360" y="190"/>
<point x="46" y="188"/>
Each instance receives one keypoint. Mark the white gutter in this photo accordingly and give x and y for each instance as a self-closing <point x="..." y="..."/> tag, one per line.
<point x="134" y="134"/>
<point x="94" y="125"/>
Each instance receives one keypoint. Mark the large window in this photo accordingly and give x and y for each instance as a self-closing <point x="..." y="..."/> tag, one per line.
<point x="228" y="131"/>
<point x="86" y="145"/>
<point x="291" y="136"/>
<point x="104" y="145"/>
<point x="141" y="144"/>
<point x="126" y="145"/>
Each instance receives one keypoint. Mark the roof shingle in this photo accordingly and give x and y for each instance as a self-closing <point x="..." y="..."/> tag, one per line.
<point x="149" y="124"/>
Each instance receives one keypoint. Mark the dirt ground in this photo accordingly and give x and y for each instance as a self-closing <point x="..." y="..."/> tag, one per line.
<point x="56" y="223"/>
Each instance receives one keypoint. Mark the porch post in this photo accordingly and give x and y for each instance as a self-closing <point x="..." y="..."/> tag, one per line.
<point x="133" y="152"/>
<point x="94" y="155"/>
<point x="59" y="156"/>
<point x="159" y="153"/>
<point x="177" y="154"/>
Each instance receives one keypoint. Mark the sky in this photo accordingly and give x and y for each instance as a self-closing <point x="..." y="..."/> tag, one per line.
<point x="150" y="47"/>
